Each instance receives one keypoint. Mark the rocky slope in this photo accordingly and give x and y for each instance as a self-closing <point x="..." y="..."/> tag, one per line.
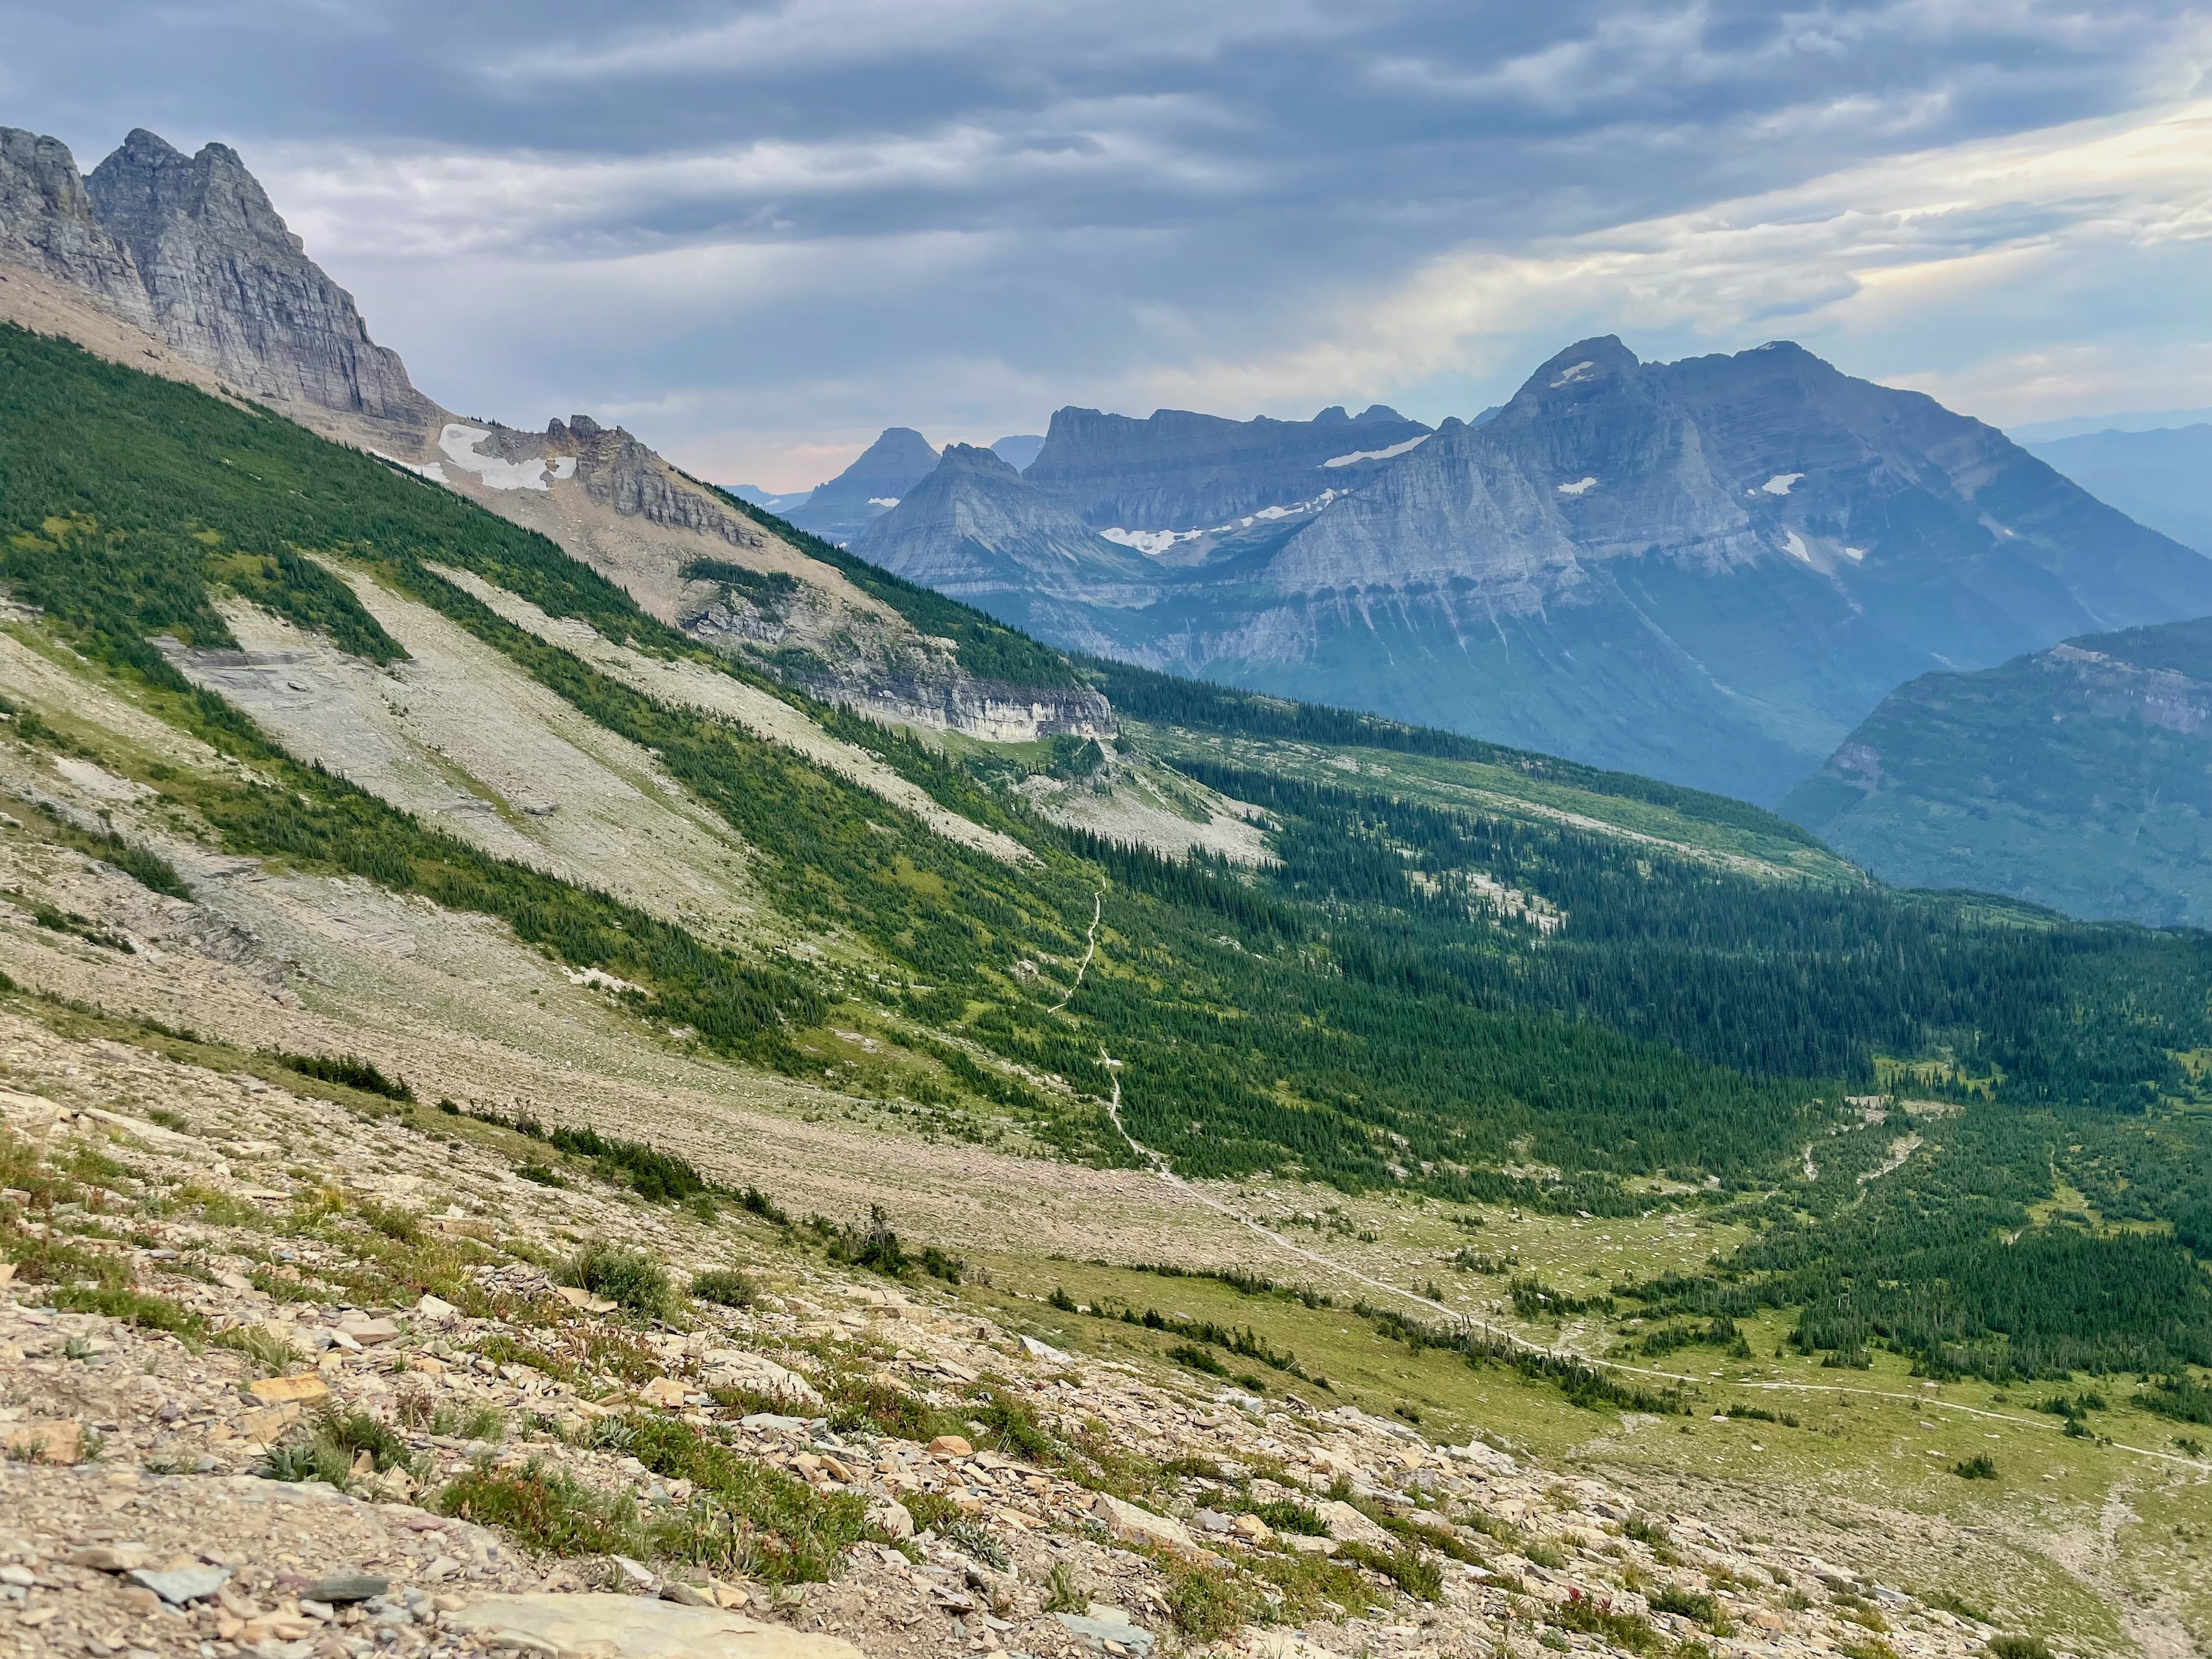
<point x="2079" y="777"/>
<point x="181" y="264"/>
<point x="323" y="1414"/>
<point x="1707" y="571"/>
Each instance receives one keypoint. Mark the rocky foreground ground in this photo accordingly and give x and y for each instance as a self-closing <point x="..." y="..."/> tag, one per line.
<point x="305" y="1377"/>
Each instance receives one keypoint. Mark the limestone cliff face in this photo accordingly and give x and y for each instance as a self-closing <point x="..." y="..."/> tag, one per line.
<point x="230" y="287"/>
<point x="1180" y="471"/>
<point x="47" y="222"/>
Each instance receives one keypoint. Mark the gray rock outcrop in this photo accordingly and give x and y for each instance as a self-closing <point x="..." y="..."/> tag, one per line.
<point x="231" y="287"/>
<point x="47" y="223"/>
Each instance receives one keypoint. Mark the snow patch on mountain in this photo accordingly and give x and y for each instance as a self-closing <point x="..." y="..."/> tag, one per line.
<point x="459" y="443"/>
<point x="1579" y="487"/>
<point x="1359" y="455"/>
<point x="1780" y="482"/>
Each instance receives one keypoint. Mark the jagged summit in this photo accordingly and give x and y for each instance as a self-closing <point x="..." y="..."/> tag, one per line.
<point x="841" y="509"/>
<point x="231" y="287"/>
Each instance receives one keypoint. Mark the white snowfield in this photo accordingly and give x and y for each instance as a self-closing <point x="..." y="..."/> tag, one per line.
<point x="1358" y="455"/>
<point x="459" y="444"/>
<point x="1579" y="487"/>
<point x="1153" y="542"/>
<point x="1780" y="482"/>
<point x="1574" y="371"/>
<point x="886" y="502"/>
<point x="1795" y="544"/>
<point x="1150" y="543"/>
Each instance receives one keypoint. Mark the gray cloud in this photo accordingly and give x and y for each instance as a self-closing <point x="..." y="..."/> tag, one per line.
<point x="759" y="231"/>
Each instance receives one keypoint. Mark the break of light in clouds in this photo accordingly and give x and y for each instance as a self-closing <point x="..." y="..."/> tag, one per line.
<point x="758" y="232"/>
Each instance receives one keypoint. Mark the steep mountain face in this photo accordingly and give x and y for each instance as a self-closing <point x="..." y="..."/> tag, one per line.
<point x="976" y="526"/>
<point x="1180" y="473"/>
<point x="47" y="223"/>
<point x="1709" y="570"/>
<point x="232" y="288"/>
<point x="2079" y="777"/>
<point x="2162" y="477"/>
<point x="841" y="509"/>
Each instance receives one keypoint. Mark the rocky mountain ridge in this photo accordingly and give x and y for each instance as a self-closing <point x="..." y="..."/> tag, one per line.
<point x="1706" y="571"/>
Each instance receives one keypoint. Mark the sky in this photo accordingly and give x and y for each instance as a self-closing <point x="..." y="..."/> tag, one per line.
<point x="756" y="233"/>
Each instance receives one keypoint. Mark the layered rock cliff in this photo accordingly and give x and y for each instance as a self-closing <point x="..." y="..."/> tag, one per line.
<point x="1177" y="472"/>
<point x="231" y="287"/>
<point x="976" y="526"/>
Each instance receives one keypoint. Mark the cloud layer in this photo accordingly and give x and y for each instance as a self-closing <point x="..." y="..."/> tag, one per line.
<point x="759" y="233"/>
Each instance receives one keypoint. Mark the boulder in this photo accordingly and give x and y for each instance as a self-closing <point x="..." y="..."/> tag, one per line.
<point x="1135" y="1526"/>
<point x="600" y="1627"/>
<point x="1349" y="1526"/>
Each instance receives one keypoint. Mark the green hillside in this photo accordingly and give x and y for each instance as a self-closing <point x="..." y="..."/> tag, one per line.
<point x="2079" y="777"/>
<point x="1594" y="993"/>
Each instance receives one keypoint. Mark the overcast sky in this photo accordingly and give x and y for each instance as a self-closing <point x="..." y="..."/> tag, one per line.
<point x="757" y="233"/>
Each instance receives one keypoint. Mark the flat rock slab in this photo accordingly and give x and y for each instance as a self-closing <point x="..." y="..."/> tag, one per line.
<point x="599" y="1626"/>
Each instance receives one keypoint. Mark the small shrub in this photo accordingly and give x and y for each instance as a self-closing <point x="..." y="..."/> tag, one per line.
<point x="1288" y="1515"/>
<point x="349" y="1070"/>
<point x="469" y="1422"/>
<point x="1980" y="1467"/>
<point x="754" y="1201"/>
<point x="630" y="1279"/>
<point x="1187" y="1353"/>
<point x="547" y="1509"/>
<point x="270" y="1354"/>
<point x="1688" y="1604"/>
<point x="1206" y="1603"/>
<point x="1063" y="1591"/>
<point x="1418" y="1575"/>
<point x="726" y="1287"/>
<point x="2019" y="1647"/>
<point x="932" y="1511"/>
<point x="973" y="1540"/>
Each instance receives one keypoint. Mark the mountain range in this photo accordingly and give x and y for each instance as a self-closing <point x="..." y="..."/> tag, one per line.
<point x="442" y="859"/>
<point x="1709" y="571"/>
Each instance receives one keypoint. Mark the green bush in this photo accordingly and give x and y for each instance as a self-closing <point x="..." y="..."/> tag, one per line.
<point x="630" y="1279"/>
<point x="726" y="1287"/>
